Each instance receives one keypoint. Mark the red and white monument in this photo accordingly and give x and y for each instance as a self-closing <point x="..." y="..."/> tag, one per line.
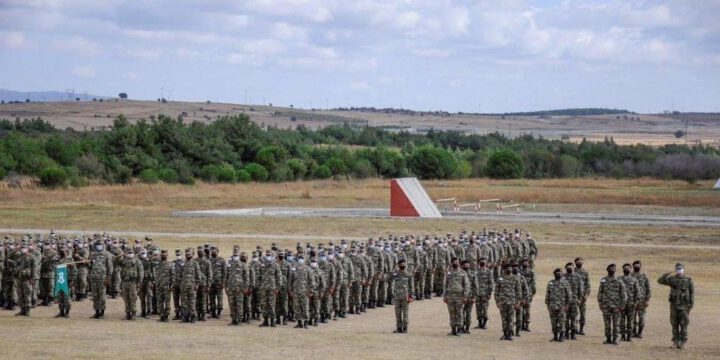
<point x="408" y="198"/>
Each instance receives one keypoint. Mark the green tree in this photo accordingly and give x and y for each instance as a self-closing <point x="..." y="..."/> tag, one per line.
<point x="53" y="177"/>
<point x="257" y="172"/>
<point x="169" y="176"/>
<point x="149" y="176"/>
<point x="430" y="162"/>
<point x="505" y="164"/>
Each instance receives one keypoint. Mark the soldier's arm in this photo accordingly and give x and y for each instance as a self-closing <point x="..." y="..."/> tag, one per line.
<point x="623" y="294"/>
<point x="141" y="274"/>
<point x="664" y="279"/>
<point x="648" y="293"/>
<point x="209" y="274"/>
<point x="587" y="286"/>
<point x="600" y="292"/>
<point x="279" y="277"/>
<point x="109" y="264"/>
<point x="691" y="293"/>
<point x="412" y="285"/>
<point x="636" y="289"/>
<point x="547" y="295"/>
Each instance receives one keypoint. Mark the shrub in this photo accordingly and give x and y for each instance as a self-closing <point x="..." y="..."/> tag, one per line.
<point x="53" y="177"/>
<point x="243" y="176"/>
<point x="226" y="174"/>
<point x="257" y="172"/>
<point x="168" y="176"/>
<point x="209" y="173"/>
<point x="149" y="176"/>
<point x="430" y="162"/>
<point x="323" y="172"/>
<point x="505" y="164"/>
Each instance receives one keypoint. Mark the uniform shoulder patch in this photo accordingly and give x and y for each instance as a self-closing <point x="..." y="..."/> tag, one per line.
<point x="500" y="278"/>
<point x="603" y="280"/>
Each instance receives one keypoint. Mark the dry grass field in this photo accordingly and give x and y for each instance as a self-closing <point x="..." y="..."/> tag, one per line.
<point x="646" y="129"/>
<point x="148" y="208"/>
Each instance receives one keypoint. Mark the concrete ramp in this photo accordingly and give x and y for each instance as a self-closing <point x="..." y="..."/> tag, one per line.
<point x="409" y="198"/>
<point x="717" y="185"/>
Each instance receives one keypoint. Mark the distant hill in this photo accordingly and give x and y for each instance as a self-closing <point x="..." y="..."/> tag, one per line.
<point x="22" y="96"/>
<point x="570" y="112"/>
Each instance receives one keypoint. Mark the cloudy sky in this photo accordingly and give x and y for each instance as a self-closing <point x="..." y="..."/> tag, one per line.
<point x="488" y="56"/>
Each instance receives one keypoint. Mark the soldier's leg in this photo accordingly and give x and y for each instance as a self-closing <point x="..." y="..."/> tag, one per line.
<point x="200" y="302"/>
<point x="429" y="283"/>
<point x="526" y="313"/>
<point x="582" y="308"/>
<point x="142" y="293"/>
<point x="176" y="301"/>
<point x="467" y="315"/>
<point x="553" y="321"/>
<point x="616" y="323"/>
<point x="607" y="318"/>
<point x="683" y="322"/>
<point x="83" y="274"/>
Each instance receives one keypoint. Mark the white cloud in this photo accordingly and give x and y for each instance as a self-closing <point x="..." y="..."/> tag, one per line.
<point x="78" y="46"/>
<point x="84" y="71"/>
<point x="12" y="39"/>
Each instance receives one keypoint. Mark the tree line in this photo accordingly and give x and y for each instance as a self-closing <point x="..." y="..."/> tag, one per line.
<point x="235" y="149"/>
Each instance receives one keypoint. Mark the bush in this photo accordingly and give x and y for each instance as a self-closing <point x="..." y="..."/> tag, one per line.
<point x="90" y="166"/>
<point x="53" y="177"/>
<point x="168" y="176"/>
<point x="149" y="176"/>
<point x="430" y="162"/>
<point x="209" y="173"/>
<point x="79" y="181"/>
<point x="336" y="165"/>
<point x="226" y="174"/>
<point x="243" y="176"/>
<point x="257" y="172"/>
<point x="363" y="168"/>
<point x="297" y="168"/>
<point x="323" y="172"/>
<point x="505" y="164"/>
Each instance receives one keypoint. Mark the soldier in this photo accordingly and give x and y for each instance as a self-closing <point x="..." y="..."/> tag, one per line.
<point x="47" y="275"/>
<point x="271" y="279"/>
<point x="376" y="254"/>
<point x="81" y="284"/>
<point x="682" y="299"/>
<point x="456" y="295"/>
<point x="627" y="317"/>
<point x="358" y="281"/>
<point x="330" y="276"/>
<point x="204" y="286"/>
<point x="146" y="284"/>
<point x="558" y="298"/>
<point x="164" y="280"/>
<point x="420" y="269"/>
<point x="507" y="299"/>
<point x="472" y="295"/>
<point x="484" y="292"/>
<point x="577" y="290"/>
<point x="219" y="269"/>
<point x="301" y="281"/>
<point x="369" y="275"/>
<point x="431" y="253"/>
<point x="316" y="291"/>
<point x="101" y="267"/>
<point x="583" y="300"/>
<point x="403" y="284"/>
<point x="132" y="275"/>
<point x="178" y="264"/>
<point x="443" y="260"/>
<point x="529" y="276"/>
<point x="612" y="297"/>
<point x="645" y="295"/>
<point x="117" y="270"/>
<point x="532" y="250"/>
<point x="238" y="284"/>
<point x="524" y="296"/>
<point x="24" y="266"/>
<point x="36" y="252"/>
<point x="63" y="299"/>
<point x="282" y="308"/>
<point x="247" y="310"/>
<point x="190" y="277"/>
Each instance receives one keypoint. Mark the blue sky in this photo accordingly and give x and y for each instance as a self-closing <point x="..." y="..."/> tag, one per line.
<point x="488" y="56"/>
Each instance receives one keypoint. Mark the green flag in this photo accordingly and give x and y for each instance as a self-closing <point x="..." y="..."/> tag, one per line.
<point x="61" y="280"/>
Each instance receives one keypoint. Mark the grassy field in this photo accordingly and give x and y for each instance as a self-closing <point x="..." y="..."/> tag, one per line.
<point x="148" y="208"/>
<point x="646" y="129"/>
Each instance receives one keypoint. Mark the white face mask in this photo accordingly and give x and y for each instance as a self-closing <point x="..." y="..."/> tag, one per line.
<point x="178" y="257"/>
<point x="301" y="261"/>
<point x="131" y="256"/>
<point x="268" y="258"/>
<point x="323" y="258"/>
<point x="680" y="271"/>
<point x="341" y="255"/>
<point x="235" y="258"/>
<point x="331" y="257"/>
<point x="344" y="246"/>
<point x="313" y="265"/>
<point x="144" y="256"/>
<point x="98" y="247"/>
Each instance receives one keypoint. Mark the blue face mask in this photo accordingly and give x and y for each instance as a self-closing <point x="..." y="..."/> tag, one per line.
<point x="323" y="258"/>
<point x="301" y="261"/>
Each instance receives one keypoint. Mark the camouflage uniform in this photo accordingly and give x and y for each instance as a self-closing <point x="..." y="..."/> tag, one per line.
<point x="282" y="306"/>
<point x="132" y="275"/>
<point x="219" y="272"/>
<point x="164" y="280"/>
<point x="301" y="283"/>
<point x="63" y="299"/>
<point x="326" y="298"/>
<point x="81" y="284"/>
<point x="682" y="300"/>
<point x="612" y="297"/>
<point x="645" y="295"/>
<point x="524" y="296"/>
<point x="317" y="290"/>
<point x="403" y="286"/>
<point x="577" y="291"/>
<point x="627" y="317"/>
<point x="145" y="291"/>
<point x="472" y="295"/>
<point x="178" y="265"/>
<point x="557" y="298"/>
<point x="117" y="270"/>
<point x="360" y="272"/>
<point x="484" y="292"/>
<point x="507" y="297"/>
<point x="431" y="263"/>
<point x="101" y="267"/>
<point x="190" y="277"/>
<point x="443" y="260"/>
<point x="380" y="269"/>
<point x="204" y="286"/>
<point x="24" y="266"/>
<point x="238" y="283"/>
<point x="47" y="276"/>
<point x="456" y="294"/>
<point x="582" y="304"/>
<point x="270" y="279"/>
<point x="529" y="276"/>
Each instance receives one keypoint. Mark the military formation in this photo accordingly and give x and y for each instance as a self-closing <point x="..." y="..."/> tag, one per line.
<point x="317" y="283"/>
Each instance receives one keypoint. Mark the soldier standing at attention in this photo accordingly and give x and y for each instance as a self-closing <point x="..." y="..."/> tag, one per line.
<point x="403" y="285"/>
<point x="145" y="292"/>
<point x="190" y="277"/>
<point x="164" y="279"/>
<point x="457" y="289"/>
<point x="271" y="280"/>
<point x="507" y="299"/>
<point x="612" y="297"/>
<point x="645" y="295"/>
<point x="485" y="289"/>
<point x="301" y="283"/>
<point x="627" y="319"/>
<point x="132" y="274"/>
<point x="529" y="275"/>
<point x="81" y="256"/>
<point x="577" y="289"/>
<point x="471" y="272"/>
<point x="558" y="298"/>
<point x="63" y="298"/>
<point x="237" y="285"/>
<point x="583" y="300"/>
<point x="178" y="264"/>
<point x="219" y="269"/>
<point x="24" y="266"/>
<point x="682" y="299"/>
<point x="101" y="268"/>
<point x="204" y="286"/>
<point x="47" y="274"/>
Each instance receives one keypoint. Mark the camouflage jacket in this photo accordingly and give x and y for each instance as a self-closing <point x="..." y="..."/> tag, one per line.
<point x="360" y="268"/>
<point x="348" y="270"/>
<point x="612" y="293"/>
<point x="524" y="288"/>
<point x="238" y="277"/>
<point x="320" y="281"/>
<point x="178" y="265"/>
<point x="330" y="275"/>
<point x="577" y="285"/>
<point x="558" y="294"/>
<point x="529" y="276"/>
<point x="682" y="292"/>
<point x="101" y="265"/>
<point x="148" y="269"/>
<point x="164" y="274"/>
<point x="302" y="280"/>
<point x="219" y="269"/>
<point x="633" y="289"/>
<point x="24" y="266"/>
<point x="402" y="283"/>
<point x="132" y="270"/>
<point x="457" y="285"/>
<point x="507" y="290"/>
<point x="190" y="274"/>
<point x="586" y="280"/>
<point x="485" y="282"/>
<point x="473" y="280"/>
<point x="206" y="269"/>
<point x="47" y="267"/>
<point x="644" y="282"/>
<point x="270" y="276"/>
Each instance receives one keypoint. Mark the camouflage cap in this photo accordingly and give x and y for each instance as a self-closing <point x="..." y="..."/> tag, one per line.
<point x="163" y="251"/>
<point x="679" y="266"/>
<point x="178" y="252"/>
<point x="189" y="250"/>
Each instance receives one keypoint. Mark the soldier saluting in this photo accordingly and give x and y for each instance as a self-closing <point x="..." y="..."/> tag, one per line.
<point x="682" y="299"/>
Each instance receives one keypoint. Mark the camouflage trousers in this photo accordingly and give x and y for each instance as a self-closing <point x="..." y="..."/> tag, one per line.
<point x="247" y="305"/>
<point x="64" y="303"/>
<point x="116" y="281"/>
<point x="382" y="295"/>
<point x="611" y="318"/>
<point x="301" y="306"/>
<point x="162" y="294"/>
<point x="24" y="292"/>
<point x="429" y="281"/>
<point x="315" y="309"/>
<point x="627" y="319"/>
<point x="201" y="301"/>
<point x="145" y="292"/>
<point x="507" y="314"/>
<point x="343" y="297"/>
<point x="97" y="288"/>
<point x="679" y="320"/>
<point x="365" y="295"/>
<point x="81" y="284"/>
<point x="525" y="311"/>
<point x="581" y="311"/>
<point x="455" y="310"/>
<point x="267" y="302"/>
<point x="10" y="289"/>
<point x="236" y="302"/>
<point x="176" y="291"/>
<point x="375" y="288"/>
<point x="188" y="297"/>
<point x="467" y="313"/>
<point x="481" y="307"/>
<point x="557" y="320"/>
<point x="639" y="315"/>
<point x="35" y="289"/>
<point x="326" y="303"/>
<point x="440" y="280"/>
<point x="216" y="297"/>
<point x="129" y="295"/>
<point x="282" y="302"/>
<point x="46" y="288"/>
<point x="356" y="294"/>
<point x="401" y="312"/>
<point x="419" y="284"/>
<point x="571" y="317"/>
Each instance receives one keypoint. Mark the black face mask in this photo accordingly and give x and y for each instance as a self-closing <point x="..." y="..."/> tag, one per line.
<point x="524" y="266"/>
<point x="188" y="257"/>
<point x="61" y="253"/>
<point x="611" y="272"/>
<point x="402" y="267"/>
<point x="508" y="271"/>
<point x="482" y="264"/>
<point x="637" y="268"/>
<point x="214" y="255"/>
<point x="515" y="271"/>
<point x="163" y="258"/>
<point x="578" y="265"/>
<point x="466" y="268"/>
<point x="558" y="276"/>
<point x="569" y="270"/>
<point x="626" y="271"/>
<point x="455" y="266"/>
<point x="243" y="259"/>
<point x="280" y="258"/>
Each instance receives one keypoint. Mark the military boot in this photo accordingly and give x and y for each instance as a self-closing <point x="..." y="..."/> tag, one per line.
<point x="581" y="332"/>
<point x="342" y="314"/>
<point x="467" y="329"/>
<point x="272" y="322"/>
<point x="639" y="334"/>
<point x="284" y="320"/>
<point x="66" y="314"/>
<point x="201" y="317"/>
<point x="97" y="313"/>
<point x="561" y="336"/>
<point x="555" y="336"/>
<point x="453" y="331"/>
<point x="527" y="326"/>
<point x="510" y="335"/>
<point x="484" y="324"/>
<point x="305" y="324"/>
<point x="177" y="315"/>
<point x="614" y="340"/>
<point x="572" y="334"/>
<point x="265" y="323"/>
<point x="479" y="325"/>
<point x="133" y="315"/>
<point x="233" y="322"/>
<point x="398" y="330"/>
<point x="299" y="325"/>
<point x="102" y="314"/>
<point x="192" y="319"/>
<point x="127" y="315"/>
<point x="60" y="314"/>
